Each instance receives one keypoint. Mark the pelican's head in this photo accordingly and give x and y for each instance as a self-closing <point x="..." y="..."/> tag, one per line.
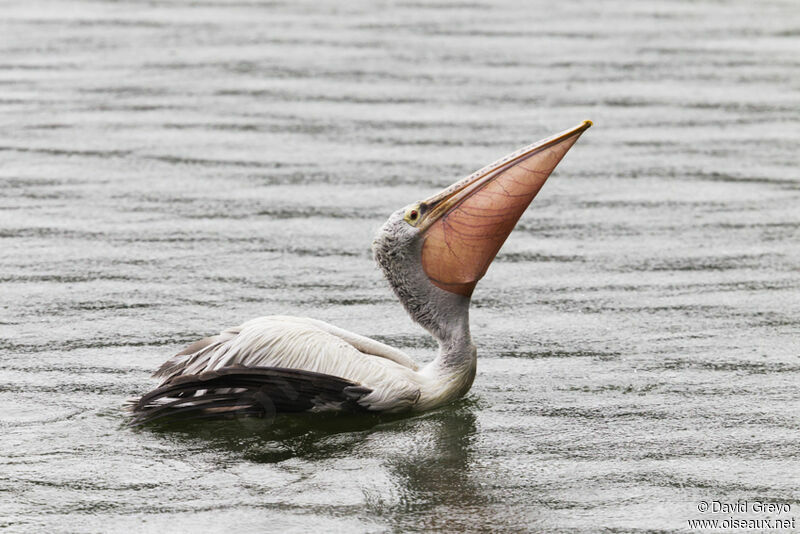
<point x="433" y="252"/>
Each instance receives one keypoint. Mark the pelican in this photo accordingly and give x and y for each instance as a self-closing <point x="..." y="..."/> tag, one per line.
<point x="432" y="253"/>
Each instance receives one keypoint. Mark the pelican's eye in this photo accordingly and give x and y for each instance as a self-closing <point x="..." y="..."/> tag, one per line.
<point x="412" y="215"/>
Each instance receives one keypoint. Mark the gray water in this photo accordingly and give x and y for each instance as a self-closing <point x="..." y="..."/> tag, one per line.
<point x="170" y="169"/>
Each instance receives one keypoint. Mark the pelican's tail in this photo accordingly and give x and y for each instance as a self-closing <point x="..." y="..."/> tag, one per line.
<point x="246" y="391"/>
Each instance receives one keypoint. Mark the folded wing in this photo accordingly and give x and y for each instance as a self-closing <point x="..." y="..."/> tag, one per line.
<point x="242" y="391"/>
<point x="283" y="363"/>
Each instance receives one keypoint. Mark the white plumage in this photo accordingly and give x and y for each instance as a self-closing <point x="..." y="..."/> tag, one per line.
<point x="302" y="343"/>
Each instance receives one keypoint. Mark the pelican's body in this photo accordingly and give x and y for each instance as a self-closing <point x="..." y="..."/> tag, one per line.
<point x="396" y="381"/>
<point x="432" y="253"/>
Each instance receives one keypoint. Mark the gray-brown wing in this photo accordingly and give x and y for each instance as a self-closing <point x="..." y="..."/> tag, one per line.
<point x="247" y="391"/>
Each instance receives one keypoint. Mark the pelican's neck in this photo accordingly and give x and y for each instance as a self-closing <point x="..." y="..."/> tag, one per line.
<point x="456" y="350"/>
<point x="451" y="373"/>
<point x="442" y="313"/>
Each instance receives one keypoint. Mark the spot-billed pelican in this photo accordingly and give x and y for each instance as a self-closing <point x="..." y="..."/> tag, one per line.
<point x="432" y="252"/>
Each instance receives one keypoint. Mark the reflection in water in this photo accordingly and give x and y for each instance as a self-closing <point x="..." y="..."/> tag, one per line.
<point x="427" y="457"/>
<point x="437" y="490"/>
<point x="270" y="440"/>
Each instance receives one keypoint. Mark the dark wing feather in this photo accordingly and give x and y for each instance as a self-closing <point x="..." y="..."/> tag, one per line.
<point x="238" y="391"/>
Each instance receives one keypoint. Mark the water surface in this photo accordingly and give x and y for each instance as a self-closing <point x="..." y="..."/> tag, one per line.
<point x="169" y="169"/>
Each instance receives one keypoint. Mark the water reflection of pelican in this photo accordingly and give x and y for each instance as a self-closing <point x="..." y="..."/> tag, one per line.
<point x="432" y="252"/>
<point x="435" y="474"/>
